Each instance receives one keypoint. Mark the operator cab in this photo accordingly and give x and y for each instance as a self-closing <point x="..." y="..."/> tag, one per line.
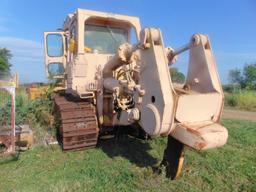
<point x="86" y="43"/>
<point x="88" y="32"/>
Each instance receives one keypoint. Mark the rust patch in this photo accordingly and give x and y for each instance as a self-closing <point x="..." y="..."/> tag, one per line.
<point x="78" y="123"/>
<point x="6" y="141"/>
<point x="200" y="145"/>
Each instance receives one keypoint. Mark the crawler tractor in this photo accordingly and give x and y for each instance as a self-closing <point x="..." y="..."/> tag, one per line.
<point x="110" y="82"/>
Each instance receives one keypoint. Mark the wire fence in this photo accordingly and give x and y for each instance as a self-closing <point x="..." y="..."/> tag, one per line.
<point x="7" y="112"/>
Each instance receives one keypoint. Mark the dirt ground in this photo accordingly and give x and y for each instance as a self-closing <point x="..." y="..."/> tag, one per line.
<point x="239" y="115"/>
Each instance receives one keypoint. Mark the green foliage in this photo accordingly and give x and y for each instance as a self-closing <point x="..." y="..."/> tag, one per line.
<point x="22" y="108"/>
<point x="3" y="65"/>
<point x="40" y="111"/>
<point x="235" y="76"/>
<point x="5" y="56"/>
<point x="232" y="88"/>
<point x="5" y="109"/>
<point x="36" y="113"/>
<point x="116" y="166"/>
<point x="245" y="78"/>
<point x="249" y="81"/>
<point x="231" y="101"/>
<point x="242" y="100"/>
<point x="177" y="77"/>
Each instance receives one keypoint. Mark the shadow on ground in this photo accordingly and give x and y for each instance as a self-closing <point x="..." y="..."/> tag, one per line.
<point x="134" y="149"/>
<point x="9" y="158"/>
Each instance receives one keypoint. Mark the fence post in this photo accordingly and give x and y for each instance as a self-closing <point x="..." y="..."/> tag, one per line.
<point x="13" y="119"/>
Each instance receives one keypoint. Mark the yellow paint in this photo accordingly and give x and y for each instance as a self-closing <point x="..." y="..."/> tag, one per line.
<point x="181" y="161"/>
<point x="36" y="92"/>
<point x="87" y="49"/>
<point x="39" y="92"/>
<point x="72" y="46"/>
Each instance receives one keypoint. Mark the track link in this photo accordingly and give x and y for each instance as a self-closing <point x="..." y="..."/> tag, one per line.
<point x="77" y="123"/>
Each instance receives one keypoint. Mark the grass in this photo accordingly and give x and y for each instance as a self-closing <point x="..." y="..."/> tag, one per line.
<point x="127" y="166"/>
<point x="242" y="100"/>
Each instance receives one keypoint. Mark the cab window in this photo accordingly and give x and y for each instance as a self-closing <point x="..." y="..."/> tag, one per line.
<point x="104" y="39"/>
<point x="54" y="45"/>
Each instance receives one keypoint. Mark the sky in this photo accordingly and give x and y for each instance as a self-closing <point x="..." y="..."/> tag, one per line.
<point x="230" y="24"/>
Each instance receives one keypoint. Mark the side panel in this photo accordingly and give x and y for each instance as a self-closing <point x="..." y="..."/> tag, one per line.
<point x="158" y="102"/>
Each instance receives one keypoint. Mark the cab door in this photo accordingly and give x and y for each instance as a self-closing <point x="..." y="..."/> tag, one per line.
<point x="55" y="54"/>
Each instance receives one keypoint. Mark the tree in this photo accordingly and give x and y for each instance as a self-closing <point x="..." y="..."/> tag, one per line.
<point x="245" y="78"/>
<point x="235" y="76"/>
<point x="177" y="76"/>
<point x="5" y="56"/>
<point x="249" y="73"/>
